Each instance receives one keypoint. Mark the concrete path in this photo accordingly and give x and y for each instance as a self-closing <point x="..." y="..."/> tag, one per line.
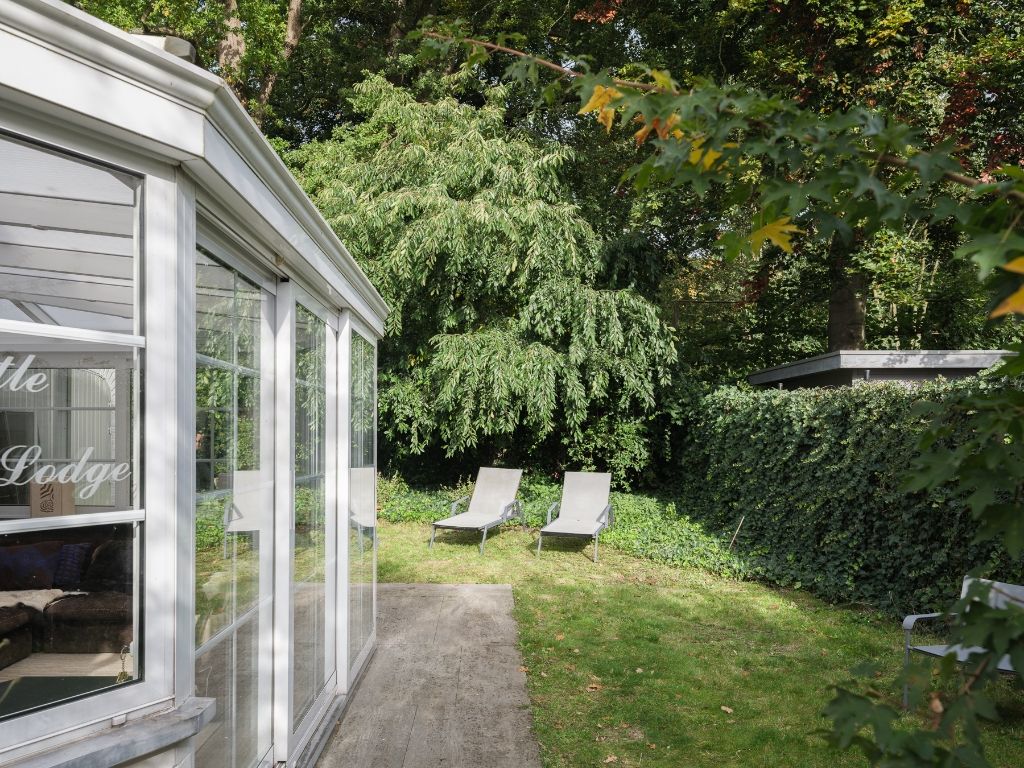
<point x="444" y="688"/>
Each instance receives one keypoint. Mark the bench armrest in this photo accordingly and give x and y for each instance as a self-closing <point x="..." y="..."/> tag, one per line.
<point x="455" y="504"/>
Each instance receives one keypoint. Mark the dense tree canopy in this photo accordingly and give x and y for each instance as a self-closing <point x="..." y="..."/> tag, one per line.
<point x="500" y="326"/>
<point x="952" y="70"/>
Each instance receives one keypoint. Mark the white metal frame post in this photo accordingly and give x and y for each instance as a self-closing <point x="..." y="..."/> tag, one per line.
<point x="344" y="495"/>
<point x="184" y="678"/>
<point x="284" y="534"/>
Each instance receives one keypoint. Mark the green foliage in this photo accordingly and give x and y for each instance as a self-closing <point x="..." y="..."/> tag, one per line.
<point x="501" y="332"/>
<point x="817" y="476"/>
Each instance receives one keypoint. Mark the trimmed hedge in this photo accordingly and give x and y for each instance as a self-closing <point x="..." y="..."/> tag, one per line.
<point x="645" y="526"/>
<point x="817" y="473"/>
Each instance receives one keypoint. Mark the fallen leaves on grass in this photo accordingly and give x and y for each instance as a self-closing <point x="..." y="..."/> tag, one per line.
<point x="727" y="710"/>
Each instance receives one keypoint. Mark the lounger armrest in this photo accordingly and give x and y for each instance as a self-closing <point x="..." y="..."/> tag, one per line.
<point x="512" y="509"/>
<point x="455" y="504"/>
<point x="606" y="516"/>
<point x="910" y="621"/>
<point x="551" y="509"/>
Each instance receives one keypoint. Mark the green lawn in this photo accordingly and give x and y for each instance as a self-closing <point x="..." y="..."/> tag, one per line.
<point x="657" y="666"/>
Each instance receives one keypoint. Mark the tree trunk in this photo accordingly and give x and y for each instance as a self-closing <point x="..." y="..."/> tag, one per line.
<point x="292" y="33"/>
<point x="232" y="48"/>
<point x="846" y="302"/>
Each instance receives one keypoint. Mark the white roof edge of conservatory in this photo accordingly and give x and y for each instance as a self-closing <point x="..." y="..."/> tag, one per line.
<point x="80" y="37"/>
<point x="936" y="359"/>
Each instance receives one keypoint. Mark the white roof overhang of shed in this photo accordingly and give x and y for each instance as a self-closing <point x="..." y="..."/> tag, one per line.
<point x="878" y="359"/>
<point x="63" y="63"/>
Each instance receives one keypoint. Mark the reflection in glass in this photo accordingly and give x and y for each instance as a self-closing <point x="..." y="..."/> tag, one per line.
<point x="61" y="213"/>
<point x="67" y="620"/>
<point x="309" y="559"/>
<point x="363" y="496"/>
<point x="234" y="498"/>
<point x="66" y="433"/>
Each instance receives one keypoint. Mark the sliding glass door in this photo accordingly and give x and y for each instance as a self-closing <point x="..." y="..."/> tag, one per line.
<point x="362" y="542"/>
<point x="233" y="513"/>
<point x="311" y="518"/>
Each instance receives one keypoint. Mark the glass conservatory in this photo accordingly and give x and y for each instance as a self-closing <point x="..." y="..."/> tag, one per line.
<point x="187" y="418"/>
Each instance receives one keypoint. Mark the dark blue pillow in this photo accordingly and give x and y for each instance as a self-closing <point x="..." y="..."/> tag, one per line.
<point x="29" y="566"/>
<point x="70" y="566"/>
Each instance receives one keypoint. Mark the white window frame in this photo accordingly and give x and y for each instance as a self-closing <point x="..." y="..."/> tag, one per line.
<point x="166" y="211"/>
<point x="356" y="325"/>
<point x="290" y="743"/>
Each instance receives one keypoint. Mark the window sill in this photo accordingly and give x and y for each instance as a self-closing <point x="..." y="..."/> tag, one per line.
<point x="132" y="741"/>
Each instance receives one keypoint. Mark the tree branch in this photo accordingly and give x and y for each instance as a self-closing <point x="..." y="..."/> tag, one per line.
<point x="564" y="71"/>
<point x="886" y="159"/>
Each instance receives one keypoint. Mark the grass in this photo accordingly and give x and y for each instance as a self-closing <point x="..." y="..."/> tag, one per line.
<point x="656" y="666"/>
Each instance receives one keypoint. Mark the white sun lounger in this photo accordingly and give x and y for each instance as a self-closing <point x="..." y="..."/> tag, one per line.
<point x="494" y="502"/>
<point x="584" y="510"/>
<point x="1002" y="595"/>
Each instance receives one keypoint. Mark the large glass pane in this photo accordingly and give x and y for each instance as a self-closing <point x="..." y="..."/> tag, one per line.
<point x="68" y="238"/>
<point x="67" y="615"/>
<point x="66" y="434"/>
<point x="363" y="495"/>
<point x="69" y="589"/>
<point x="234" y="512"/>
<point x="309" y="559"/>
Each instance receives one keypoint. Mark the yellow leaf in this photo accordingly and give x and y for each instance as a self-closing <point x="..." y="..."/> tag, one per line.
<point x="778" y="231"/>
<point x="661" y="127"/>
<point x="1012" y="304"/>
<point x="1017" y="265"/>
<point x="662" y="79"/>
<point x="599" y="99"/>
<point x="705" y="158"/>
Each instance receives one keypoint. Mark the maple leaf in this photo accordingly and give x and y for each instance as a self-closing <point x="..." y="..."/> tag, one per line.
<point x="778" y="231"/>
<point x="1012" y="304"/>
<point x="599" y="100"/>
<point x="662" y="128"/>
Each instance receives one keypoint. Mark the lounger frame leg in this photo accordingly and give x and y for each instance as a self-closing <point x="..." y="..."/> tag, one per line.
<point x="540" y="540"/>
<point x="595" y="549"/>
<point x="433" y="530"/>
<point x="906" y="668"/>
<point x="483" y="541"/>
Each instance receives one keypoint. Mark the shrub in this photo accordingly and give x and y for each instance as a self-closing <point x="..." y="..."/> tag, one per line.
<point x="818" y="476"/>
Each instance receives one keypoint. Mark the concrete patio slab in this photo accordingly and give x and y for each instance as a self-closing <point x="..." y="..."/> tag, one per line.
<point x="445" y="688"/>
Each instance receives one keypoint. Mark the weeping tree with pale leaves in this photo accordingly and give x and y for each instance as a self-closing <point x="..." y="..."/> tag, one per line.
<point x="502" y="341"/>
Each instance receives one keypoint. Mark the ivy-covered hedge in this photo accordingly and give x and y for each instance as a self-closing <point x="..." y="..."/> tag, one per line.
<point x="645" y="526"/>
<point x="817" y="475"/>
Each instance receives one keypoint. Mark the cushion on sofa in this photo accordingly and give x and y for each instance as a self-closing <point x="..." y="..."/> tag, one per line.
<point x="94" y="608"/>
<point x="13" y="617"/>
<point x="110" y="569"/>
<point x="28" y="566"/>
<point x="71" y="566"/>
